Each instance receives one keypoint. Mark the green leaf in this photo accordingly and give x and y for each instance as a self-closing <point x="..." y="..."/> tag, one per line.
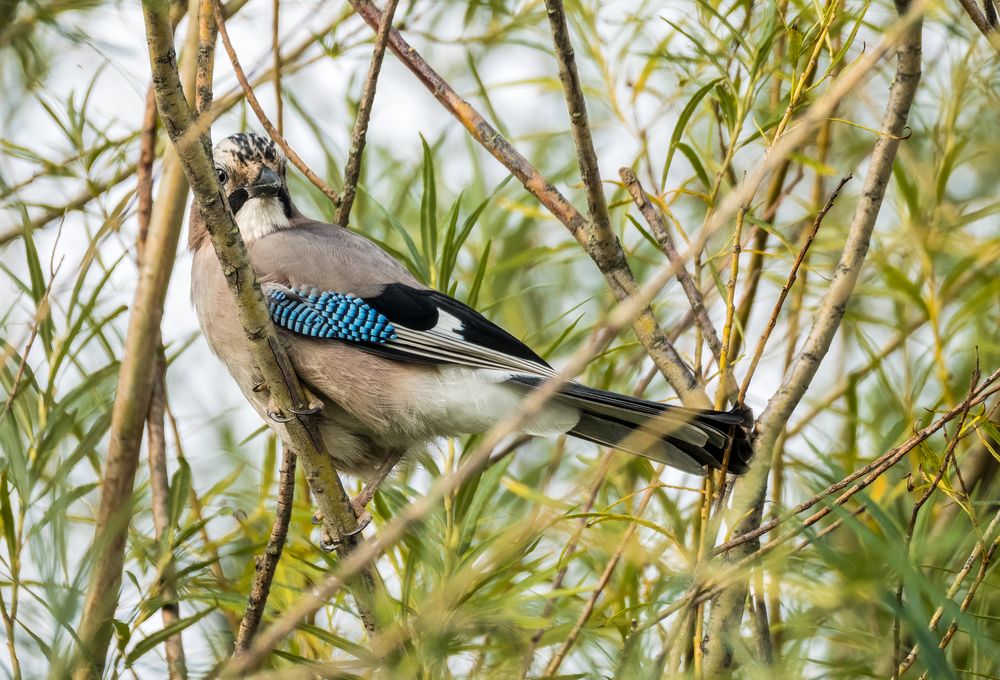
<point x="155" y="638"/>
<point x="682" y="122"/>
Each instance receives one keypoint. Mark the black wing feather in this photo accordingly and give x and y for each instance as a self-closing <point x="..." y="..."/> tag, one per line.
<point x="419" y="309"/>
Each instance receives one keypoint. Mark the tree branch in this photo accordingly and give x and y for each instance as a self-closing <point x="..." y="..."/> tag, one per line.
<point x="727" y="611"/>
<point x="352" y="171"/>
<point x="266" y="564"/>
<point x="268" y="352"/>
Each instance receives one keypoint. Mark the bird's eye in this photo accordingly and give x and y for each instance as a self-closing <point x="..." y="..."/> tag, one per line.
<point x="223" y="177"/>
<point x="270" y="154"/>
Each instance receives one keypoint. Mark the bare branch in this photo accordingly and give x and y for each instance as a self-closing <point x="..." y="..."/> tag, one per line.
<point x="772" y="322"/>
<point x="985" y="20"/>
<point x="666" y="242"/>
<point x="352" y="172"/>
<point x="159" y="485"/>
<point x="266" y="564"/>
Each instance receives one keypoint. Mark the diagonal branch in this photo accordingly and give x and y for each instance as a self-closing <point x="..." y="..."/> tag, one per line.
<point x="352" y="172"/>
<point x="984" y="21"/>
<point x="266" y="564"/>
<point x="666" y="243"/>
<point x="268" y="352"/>
<point x="748" y="505"/>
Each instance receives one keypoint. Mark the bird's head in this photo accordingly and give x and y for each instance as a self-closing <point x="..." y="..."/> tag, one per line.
<point x="251" y="170"/>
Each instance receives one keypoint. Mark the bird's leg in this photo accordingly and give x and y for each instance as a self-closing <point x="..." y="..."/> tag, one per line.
<point x="359" y="503"/>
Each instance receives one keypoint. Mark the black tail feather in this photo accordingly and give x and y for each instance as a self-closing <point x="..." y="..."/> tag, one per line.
<point x="687" y="439"/>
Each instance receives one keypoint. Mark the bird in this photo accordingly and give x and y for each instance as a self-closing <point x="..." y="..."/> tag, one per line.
<point x="393" y="364"/>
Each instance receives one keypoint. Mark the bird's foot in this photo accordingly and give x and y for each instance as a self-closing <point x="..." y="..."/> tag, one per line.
<point x="313" y="405"/>
<point x="329" y="543"/>
<point x="275" y="413"/>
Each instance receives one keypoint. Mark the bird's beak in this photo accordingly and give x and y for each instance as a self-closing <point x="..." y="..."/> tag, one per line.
<point x="268" y="183"/>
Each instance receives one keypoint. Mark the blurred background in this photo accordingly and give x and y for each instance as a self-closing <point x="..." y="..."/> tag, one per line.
<point x="685" y="94"/>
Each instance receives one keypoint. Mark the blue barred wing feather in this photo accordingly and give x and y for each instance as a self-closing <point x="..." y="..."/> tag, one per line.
<point x="327" y="314"/>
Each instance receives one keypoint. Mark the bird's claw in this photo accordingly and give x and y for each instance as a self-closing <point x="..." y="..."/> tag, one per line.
<point x="310" y="410"/>
<point x="328" y="543"/>
<point x="277" y="416"/>
<point x="260" y="387"/>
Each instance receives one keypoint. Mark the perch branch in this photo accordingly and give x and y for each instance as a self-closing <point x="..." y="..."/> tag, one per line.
<point x="268" y="351"/>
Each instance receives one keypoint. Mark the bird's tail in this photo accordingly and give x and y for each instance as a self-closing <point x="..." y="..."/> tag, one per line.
<point x="687" y="439"/>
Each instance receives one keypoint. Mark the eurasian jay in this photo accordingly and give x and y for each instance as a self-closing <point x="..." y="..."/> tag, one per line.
<point x="393" y="363"/>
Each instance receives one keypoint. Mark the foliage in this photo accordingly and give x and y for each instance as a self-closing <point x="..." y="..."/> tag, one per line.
<point x="688" y="95"/>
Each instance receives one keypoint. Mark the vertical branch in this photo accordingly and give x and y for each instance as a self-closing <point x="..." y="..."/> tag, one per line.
<point x="727" y="610"/>
<point x="144" y="169"/>
<point x="266" y="564"/>
<point x="600" y="234"/>
<point x="279" y="104"/>
<point x="156" y="445"/>
<point x="352" y="172"/>
<point x="133" y="396"/>
<point x="207" y="33"/>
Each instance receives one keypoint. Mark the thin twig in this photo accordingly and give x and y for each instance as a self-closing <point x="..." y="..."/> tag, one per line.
<point x="352" y="171"/>
<point x="789" y="282"/>
<point x="266" y="564"/>
<point x="666" y="242"/>
<point x="279" y="104"/>
<point x="144" y="169"/>
<point x="599" y="233"/>
<point x="159" y="486"/>
<point x="259" y="111"/>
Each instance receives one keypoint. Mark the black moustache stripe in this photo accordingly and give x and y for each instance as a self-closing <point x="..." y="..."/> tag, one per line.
<point x="237" y="199"/>
<point x="286" y="201"/>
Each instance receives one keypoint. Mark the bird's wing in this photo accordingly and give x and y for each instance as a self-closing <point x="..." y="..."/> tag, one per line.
<point x="323" y="281"/>
<point x="405" y="323"/>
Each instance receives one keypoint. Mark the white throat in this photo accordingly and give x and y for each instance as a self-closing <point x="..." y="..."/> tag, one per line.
<point x="258" y="217"/>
